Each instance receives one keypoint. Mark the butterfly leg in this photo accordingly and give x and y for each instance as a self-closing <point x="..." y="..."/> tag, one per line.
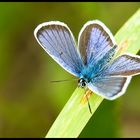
<point x="86" y="97"/>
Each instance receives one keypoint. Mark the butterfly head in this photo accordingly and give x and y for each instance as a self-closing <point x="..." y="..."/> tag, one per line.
<point x="82" y="82"/>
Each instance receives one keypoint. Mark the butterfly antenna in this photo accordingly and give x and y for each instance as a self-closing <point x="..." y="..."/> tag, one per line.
<point x="66" y="80"/>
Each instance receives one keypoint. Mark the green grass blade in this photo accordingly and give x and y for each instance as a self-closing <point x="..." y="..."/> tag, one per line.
<point x="130" y="33"/>
<point x="74" y="116"/>
<point x="72" y="120"/>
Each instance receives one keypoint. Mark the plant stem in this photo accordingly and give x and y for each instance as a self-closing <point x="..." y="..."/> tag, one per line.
<point x="72" y="111"/>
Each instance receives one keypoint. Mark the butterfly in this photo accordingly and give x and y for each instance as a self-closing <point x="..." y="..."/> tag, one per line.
<point x="92" y="59"/>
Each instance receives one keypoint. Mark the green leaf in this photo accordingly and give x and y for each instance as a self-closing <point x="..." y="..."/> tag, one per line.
<point x="75" y="115"/>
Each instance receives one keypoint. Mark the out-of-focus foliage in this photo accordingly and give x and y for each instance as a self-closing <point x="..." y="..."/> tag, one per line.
<point x="29" y="103"/>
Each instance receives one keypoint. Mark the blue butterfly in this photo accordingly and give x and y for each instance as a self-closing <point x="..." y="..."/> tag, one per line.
<point x="93" y="60"/>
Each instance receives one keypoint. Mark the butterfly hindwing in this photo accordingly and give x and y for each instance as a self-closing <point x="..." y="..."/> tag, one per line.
<point x="110" y="87"/>
<point x="57" y="40"/>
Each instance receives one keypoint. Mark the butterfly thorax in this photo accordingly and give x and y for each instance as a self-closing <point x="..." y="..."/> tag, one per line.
<point x="88" y="74"/>
<point x="94" y="71"/>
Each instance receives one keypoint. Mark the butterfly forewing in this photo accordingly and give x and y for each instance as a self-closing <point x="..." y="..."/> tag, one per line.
<point x="58" y="41"/>
<point x="110" y="87"/>
<point x="125" y="65"/>
<point x="95" y="40"/>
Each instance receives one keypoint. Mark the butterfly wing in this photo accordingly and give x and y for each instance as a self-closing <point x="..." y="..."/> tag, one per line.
<point x="115" y="79"/>
<point x="57" y="40"/>
<point x="110" y="87"/>
<point x="94" y="41"/>
<point x="124" y="65"/>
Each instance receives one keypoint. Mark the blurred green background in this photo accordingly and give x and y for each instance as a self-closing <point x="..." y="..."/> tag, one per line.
<point x="29" y="103"/>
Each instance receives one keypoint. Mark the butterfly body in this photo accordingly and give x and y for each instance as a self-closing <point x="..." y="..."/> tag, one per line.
<point x="94" y="71"/>
<point x="91" y="72"/>
<point x="93" y="61"/>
